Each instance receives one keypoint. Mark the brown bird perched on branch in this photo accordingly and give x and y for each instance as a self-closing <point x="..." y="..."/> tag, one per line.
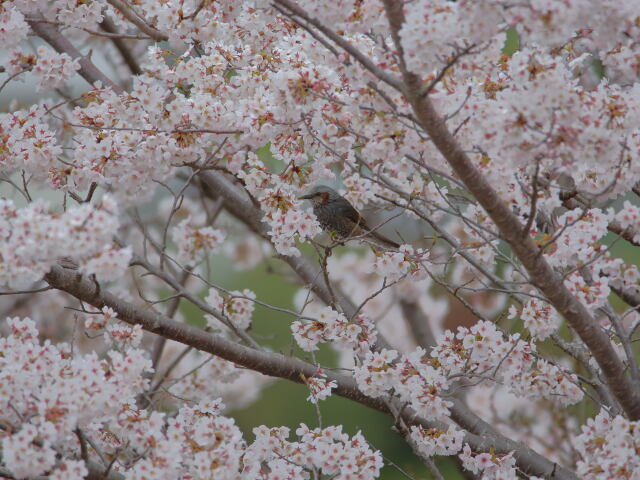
<point x="336" y="214"/>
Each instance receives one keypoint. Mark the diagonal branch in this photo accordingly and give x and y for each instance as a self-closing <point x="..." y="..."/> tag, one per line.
<point x="348" y="47"/>
<point x="88" y="70"/>
<point x="268" y="363"/>
<point x="290" y="368"/>
<point x="128" y="57"/>
<point x="540" y="272"/>
<point x="418" y="324"/>
<point x="128" y="13"/>
<point x="239" y="204"/>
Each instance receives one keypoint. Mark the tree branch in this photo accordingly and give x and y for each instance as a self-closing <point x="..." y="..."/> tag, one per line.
<point x="360" y="57"/>
<point x="128" y="57"/>
<point x="419" y="324"/>
<point x="128" y="13"/>
<point x="289" y="368"/>
<point x="540" y="272"/>
<point x="88" y="71"/>
<point x="239" y="204"/>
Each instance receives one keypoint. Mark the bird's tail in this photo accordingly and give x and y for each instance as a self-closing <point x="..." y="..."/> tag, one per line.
<point x="382" y="241"/>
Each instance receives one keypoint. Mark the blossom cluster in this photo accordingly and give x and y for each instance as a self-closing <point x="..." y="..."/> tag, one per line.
<point x="13" y="28"/>
<point x="435" y="441"/>
<point x="201" y="442"/>
<point x="412" y="377"/>
<point x="53" y="69"/>
<point x="540" y="318"/>
<point x="240" y="91"/>
<point x="489" y="465"/>
<point x="356" y="334"/>
<point x="629" y="219"/>
<point x="195" y="242"/>
<point x="122" y="142"/>
<point x="580" y="234"/>
<point x="117" y="334"/>
<point x="319" y="387"/>
<point x="328" y="451"/>
<point x="34" y="238"/>
<point x="608" y="448"/>
<point x="482" y="351"/>
<point x="46" y="393"/>
<point x="430" y="24"/>
<point x="282" y="209"/>
<point x="28" y="143"/>
<point x="396" y="265"/>
<point x="237" y="307"/>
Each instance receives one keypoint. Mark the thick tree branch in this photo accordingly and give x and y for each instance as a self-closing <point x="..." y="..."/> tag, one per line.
<point x="88" y="71"/>
<point x="419" y="324"/>
<point x="128" y="57"/>
<point x="289" y="368"/>
<point x="128" y="13"/>
<point x="268" y="363"/>
<point x="540" y="272"/>
<point x="194" y="299"/>
<point x="628" y="296"/>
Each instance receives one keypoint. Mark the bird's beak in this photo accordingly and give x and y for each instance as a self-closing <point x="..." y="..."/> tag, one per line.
<point x="305" y="197"/>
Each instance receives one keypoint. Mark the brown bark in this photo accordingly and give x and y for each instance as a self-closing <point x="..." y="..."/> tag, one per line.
<point x="540" y="272"/>
<point x="293" y="369"/>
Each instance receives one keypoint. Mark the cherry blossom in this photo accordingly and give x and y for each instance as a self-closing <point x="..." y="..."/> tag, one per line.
<point x="22" y="458"/>
<point x="629" y="218"/>
<point x="28" y="143"/>
<point x="81" y="15"/>
<point x="34" y="238"/>
<point x="355" y="334"/>
<point x="377" y="374"/>
<point x="608" y="447"/>
<point x="194" y="242"/>
<point x="157" y="173"/>
<point x="395" y="265"/>
<point x="319" y="388"/>
<point x="483" y="350"/>
<point x="329" y="450"/>
<point x="237" y="307"/>
<point x="53" y="69"/>
<point x="491" y="466"/>
<point x="437" y="442"/>
<point x="13" y="28"/>
<point x="58" y="393"/>
<point x="540" y="319"/>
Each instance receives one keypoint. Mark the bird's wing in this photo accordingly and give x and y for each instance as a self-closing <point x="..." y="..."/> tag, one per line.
<point x="347" y="210"/>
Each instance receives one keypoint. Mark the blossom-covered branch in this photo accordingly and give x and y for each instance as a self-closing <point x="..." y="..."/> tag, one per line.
<point x="542" y="275"/>
<point x="431" y="206"/>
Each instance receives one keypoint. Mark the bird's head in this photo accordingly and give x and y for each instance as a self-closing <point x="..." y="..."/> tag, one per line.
<point x="321" y="195"/>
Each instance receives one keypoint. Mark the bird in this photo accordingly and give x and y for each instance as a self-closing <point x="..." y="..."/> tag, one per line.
<point x="336" y="214"/>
